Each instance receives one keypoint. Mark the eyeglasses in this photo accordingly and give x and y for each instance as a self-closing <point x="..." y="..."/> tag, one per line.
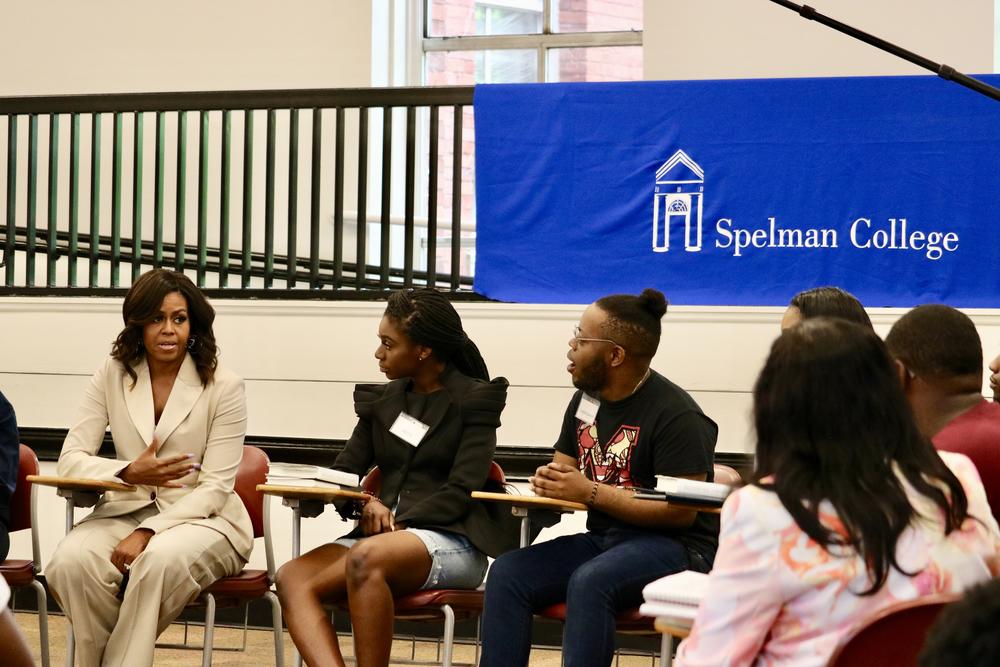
<point x="577" y="337"/>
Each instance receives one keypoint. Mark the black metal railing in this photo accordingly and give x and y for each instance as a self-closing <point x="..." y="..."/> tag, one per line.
<point x="272" y="222"/>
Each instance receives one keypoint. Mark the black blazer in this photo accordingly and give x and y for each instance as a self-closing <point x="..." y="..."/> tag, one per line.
<point x="432" y="482"/>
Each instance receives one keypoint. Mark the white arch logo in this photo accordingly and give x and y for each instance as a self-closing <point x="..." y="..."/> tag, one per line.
<point x="680" y="186"/>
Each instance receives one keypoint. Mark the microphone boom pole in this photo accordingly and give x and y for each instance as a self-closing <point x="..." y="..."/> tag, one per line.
<point x="944" y="71"/>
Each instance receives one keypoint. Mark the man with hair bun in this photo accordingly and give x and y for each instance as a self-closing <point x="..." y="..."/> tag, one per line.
<point x="939" y="357"/>
<point x="625" y="425"/>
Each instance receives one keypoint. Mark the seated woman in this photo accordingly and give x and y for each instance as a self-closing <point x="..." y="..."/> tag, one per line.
<point x="177" y="420"/>
<point x="431" y="431"/>
<point x="824" y="302"/>
<point x="850" y="508"/>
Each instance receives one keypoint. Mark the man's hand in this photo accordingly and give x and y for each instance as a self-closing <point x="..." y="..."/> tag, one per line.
<point x="130" y="548"/>
<point x="376" y="518"/>
<point x="562" y="481"/>
<point x="151" y="471"/>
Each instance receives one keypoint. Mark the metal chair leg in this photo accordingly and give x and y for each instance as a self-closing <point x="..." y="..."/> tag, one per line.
<point x="279" y="644"/>
<point x="206" y="652"/>
<point x="449" y="635"/>
<point x="43" y="621"/>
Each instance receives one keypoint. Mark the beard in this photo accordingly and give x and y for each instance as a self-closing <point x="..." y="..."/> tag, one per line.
<point x="592" y="377"/>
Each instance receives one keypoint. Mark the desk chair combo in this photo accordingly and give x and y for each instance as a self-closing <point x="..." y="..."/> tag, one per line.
<point x="442" y="604"/>
<point x="232" y="591"/>
<point x="23" y="516"/>
<point x="629" y="621"/>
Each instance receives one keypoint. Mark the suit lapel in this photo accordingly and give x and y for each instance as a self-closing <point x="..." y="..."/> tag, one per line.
<point x="139" y="401"/>
<point x="183" y="395"/>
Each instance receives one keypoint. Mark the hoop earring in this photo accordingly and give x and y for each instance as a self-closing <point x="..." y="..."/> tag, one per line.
<point x="191" y="342"/>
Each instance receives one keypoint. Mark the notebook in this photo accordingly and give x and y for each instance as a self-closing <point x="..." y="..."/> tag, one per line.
<point x="299" y="474"/>
<point x="693" y="491"/>
<point x="675" y="595"/>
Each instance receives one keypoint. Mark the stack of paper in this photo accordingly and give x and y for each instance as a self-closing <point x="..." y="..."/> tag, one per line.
<point x="692" y="491"/>
<point x="300" y="474"/>
<point x="675" y="596"/>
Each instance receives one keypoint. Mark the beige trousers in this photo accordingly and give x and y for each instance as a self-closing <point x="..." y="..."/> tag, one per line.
<point x="176" y="565"/>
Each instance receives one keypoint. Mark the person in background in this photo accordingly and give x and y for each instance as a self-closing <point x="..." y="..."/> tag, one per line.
<point x="625" y="425"/>
<point x="824" y="302"/>
<point x="178" y="420"/>
<point x="939" y="359"/>
<point x="422" y="530"/>
<point x="10" y="461"/>
<point x="850" y="508"/>
<point x="965" y="634"/>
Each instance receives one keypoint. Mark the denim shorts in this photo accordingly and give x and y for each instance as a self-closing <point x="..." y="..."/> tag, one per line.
<point x="455" y="563"/>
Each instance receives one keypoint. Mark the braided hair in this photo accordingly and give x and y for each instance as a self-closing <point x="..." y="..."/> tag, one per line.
<point x="427" y="317"/>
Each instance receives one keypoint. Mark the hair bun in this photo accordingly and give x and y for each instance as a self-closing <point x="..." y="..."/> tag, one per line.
<point x="653" y="301"/>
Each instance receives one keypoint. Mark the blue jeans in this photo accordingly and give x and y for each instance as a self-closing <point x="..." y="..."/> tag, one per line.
<point x="596" y="574"/>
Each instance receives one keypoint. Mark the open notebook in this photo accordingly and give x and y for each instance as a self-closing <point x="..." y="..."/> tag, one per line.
<point x="675" y="595"/>
<point x="693" y="491"/>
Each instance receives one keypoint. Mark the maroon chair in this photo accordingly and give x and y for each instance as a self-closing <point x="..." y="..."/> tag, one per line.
<point x="24" y="573"/>
<point x="248" y="585"/>
<point x="444" y="604"/>
<point x="893" y="636"/>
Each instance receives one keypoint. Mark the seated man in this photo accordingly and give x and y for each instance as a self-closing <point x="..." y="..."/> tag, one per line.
<point x="626" y="424"/>
<point x="940" y="360"/>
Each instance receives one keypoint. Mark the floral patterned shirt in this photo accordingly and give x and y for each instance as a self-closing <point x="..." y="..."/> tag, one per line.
<point x="776" y="597"/>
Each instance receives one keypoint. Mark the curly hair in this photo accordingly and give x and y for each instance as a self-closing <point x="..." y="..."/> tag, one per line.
<point x="142" y="306"/>
<point x="634" y="321"/>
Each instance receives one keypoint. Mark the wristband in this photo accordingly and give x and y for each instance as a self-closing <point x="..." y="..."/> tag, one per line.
<point x="593" y="495"/>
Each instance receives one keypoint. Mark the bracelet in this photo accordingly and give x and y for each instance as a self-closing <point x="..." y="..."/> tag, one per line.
<point x="593" y="495"/>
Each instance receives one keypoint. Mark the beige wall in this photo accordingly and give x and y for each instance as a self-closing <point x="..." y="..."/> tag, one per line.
<point x="117" y="46"/>
<point x="710" y="39"/>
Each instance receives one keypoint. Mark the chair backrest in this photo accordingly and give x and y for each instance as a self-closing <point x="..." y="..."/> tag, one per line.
<point x="893" y="636"/>
<point x="724" y="474"/>
<point x="252" y="471"/>
<point x="373" y="480"/>
<point x="20" y="503"/>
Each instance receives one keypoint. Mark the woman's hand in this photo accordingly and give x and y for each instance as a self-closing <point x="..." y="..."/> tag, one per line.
<point x="151" y="471"/>
<point x="130" y="548"/>
<point x="376" y="518"/>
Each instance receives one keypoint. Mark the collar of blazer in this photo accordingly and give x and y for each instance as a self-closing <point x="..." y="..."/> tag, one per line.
<point x="139" y="400"/>
<point x="393" y="401"/>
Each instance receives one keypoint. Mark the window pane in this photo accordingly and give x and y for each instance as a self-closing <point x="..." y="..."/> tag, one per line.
<point x="464" y="68"/>
<point x="596" y="15"/>
<point x="455" y="18"/>
<point x="597" y="63"/>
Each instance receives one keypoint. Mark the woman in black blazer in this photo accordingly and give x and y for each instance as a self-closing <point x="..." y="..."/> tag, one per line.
<point x="431" y="431"/>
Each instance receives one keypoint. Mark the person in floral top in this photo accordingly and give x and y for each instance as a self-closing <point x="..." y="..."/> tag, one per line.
<point x="850" y="509"/>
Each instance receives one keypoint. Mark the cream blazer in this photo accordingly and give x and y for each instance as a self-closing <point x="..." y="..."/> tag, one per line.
<point x="206" y="421"/>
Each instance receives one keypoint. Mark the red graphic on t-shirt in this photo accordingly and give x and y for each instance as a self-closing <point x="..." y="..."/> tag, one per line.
<point x="609" y="463"/>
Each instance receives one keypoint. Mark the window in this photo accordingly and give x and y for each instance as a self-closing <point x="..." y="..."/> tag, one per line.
<point x="517" y="41"/>
<point x="466" y="42"/>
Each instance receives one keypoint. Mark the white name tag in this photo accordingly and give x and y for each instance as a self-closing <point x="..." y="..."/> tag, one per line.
<point x="409" y="429"/>
<point x="587" y="410"/>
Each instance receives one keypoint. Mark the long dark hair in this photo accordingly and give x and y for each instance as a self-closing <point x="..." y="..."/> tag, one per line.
<point x="833" y="424"/>
<point x="428" y="318"/>
<point x="142" y="306"/>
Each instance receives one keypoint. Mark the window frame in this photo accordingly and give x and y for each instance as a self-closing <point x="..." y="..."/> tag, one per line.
<point x="541" y="42"/>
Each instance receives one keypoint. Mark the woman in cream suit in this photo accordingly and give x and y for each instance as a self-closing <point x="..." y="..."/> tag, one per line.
<point x="178" y="421"/>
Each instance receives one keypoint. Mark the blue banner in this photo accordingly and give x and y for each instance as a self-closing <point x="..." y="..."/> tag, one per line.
<point x="739" y="192"/>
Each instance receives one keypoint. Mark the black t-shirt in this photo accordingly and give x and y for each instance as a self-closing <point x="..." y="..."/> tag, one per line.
<point x="658" y="430"/>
